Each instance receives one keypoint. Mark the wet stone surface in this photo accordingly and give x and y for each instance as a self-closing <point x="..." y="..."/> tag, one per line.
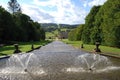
<point x="59" y="61"/>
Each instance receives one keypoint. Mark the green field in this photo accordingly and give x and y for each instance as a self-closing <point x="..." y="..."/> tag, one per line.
<point x="55" y="33"/>
<point x="110" y="51"/>
<point x="23" y="46"/>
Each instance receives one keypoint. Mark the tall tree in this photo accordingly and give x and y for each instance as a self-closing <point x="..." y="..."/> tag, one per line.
<point x="7" y="25"/>
<point x="108" y="19"/>
<point x="14" y="6"/>
<point x="76" y="33"/>
<point x="96" y="32"/>
<point x="19" y="27"/>
<point x="89" y="24"/>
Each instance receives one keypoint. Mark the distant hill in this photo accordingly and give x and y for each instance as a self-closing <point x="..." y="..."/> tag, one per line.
<point x="56" y="25"/>
<point x="48" y="25"/>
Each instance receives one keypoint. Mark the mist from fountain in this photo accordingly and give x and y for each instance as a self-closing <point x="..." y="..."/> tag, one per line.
<point x="92" y="63"/>
<point x="25" y="66"/>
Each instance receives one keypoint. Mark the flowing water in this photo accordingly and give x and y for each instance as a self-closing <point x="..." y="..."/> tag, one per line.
<point x="59" y="61"/>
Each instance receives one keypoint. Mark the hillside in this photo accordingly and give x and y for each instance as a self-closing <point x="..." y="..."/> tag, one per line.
<point x="44" y="25"/>
<point x="52" y="29"/>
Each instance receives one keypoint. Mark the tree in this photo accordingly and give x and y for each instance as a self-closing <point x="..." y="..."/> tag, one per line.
<point x="102" y="24"/>
<point x="89" y="24"/>
<point x="7" y="25"/>
<point x="96" y="31"/>
<point x="14" y="6"/>
<point x="76" y="33"/>
<point x="108" y="19"/>
<point x="19" y="27"/>
<point x="1" y="27"/>
<point x="39" y="32"/>
<point x="71" y="35"/>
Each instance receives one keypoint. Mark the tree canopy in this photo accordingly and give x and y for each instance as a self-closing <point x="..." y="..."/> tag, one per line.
<point x="102" y="25"/>
<point x="14" y="6"/>
<point x="19" y="27"/>
<point x="76" y="34"/>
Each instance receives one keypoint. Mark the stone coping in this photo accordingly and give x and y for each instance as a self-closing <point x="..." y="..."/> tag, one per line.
<point x="4" y="57"/>
<point x="7" y="56"/>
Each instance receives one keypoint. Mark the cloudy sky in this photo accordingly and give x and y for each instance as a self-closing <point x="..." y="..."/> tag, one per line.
<point x="56" y="11"/>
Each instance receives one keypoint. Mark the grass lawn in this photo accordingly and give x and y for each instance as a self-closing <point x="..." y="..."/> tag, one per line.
<point x="111" y="51"/>
<point x="23" y="46"/>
